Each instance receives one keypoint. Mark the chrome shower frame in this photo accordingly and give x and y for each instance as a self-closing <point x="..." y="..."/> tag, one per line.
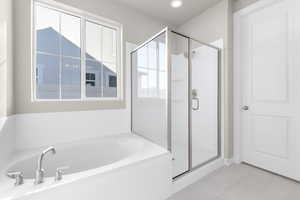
<point x="167" y="32"/>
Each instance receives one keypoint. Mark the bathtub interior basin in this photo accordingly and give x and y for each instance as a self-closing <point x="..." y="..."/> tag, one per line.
<point x="80" y="156"/>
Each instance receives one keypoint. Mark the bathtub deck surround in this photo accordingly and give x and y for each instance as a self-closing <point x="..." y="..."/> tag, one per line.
<point x="96" y="168"/>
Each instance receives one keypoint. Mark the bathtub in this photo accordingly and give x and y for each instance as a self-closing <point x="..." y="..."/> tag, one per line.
<point x="118" y="167"/>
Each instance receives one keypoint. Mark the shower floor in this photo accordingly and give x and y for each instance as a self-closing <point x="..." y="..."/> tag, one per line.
<point x="180" y="163"/>
<point x="203" y="155"/>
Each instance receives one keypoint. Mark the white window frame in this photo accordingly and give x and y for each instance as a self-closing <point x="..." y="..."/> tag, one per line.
<point x="84" y="16"/>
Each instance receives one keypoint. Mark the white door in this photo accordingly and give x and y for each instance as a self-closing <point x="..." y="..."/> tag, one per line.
<point x="270" y="70"/>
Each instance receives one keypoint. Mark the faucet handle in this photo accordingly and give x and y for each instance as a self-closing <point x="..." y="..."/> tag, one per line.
<point x="18" y="176"/>
<point x="59" y="172"/>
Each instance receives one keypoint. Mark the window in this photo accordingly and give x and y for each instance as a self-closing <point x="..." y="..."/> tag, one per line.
<point x="76" y="56"/>
<point x="90" y="79"/>
<point x="112" y="81"/>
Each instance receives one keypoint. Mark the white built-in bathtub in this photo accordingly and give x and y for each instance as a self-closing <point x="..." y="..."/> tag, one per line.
<point x="122" y="167"/>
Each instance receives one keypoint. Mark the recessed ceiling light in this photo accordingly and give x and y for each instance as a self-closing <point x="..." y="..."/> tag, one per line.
<point x="176" y="3"/>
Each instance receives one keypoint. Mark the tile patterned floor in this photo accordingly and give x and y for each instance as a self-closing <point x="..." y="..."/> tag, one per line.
<point x="241" y="182"/>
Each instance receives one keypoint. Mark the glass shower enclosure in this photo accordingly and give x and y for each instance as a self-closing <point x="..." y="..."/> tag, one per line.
<point x="175" y="98"/>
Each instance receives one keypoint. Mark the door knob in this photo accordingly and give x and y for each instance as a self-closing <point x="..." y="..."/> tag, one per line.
<point x="245" y="107"/>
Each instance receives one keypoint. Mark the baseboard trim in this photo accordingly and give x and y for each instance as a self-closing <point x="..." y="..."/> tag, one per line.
<point x="229" y="161"/>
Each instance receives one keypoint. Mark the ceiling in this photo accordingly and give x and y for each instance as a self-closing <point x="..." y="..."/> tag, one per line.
<point x="161" y="9"/>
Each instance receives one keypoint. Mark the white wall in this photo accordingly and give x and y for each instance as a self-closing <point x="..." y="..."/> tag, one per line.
<point x="240" y="4"/>
<point x="43" y="129"/>
<point x="209" y="26"/>
<point x="6" y="58"/>
<point x="3" y="66"/>
<point x="6" y="82"/>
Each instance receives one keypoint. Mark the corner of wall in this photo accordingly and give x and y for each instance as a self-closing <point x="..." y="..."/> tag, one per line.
<point x="229" y="79"/>
<point x="7" y="139"/>
<point x="7" y="122"/>
<point x="240" y="4"/>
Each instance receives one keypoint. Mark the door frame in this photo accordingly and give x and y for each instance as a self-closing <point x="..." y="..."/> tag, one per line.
<point x="237" y="74"/>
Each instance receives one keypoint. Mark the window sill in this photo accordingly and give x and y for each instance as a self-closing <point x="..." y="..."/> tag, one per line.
<point x="70" y="106"/>
<point x="91" y="99"/>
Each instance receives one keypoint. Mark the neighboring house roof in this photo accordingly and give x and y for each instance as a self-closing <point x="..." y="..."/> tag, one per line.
<point x="48" y="38"/>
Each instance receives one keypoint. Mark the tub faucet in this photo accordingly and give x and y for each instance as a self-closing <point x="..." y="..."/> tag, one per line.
<point x="39" y="174"/>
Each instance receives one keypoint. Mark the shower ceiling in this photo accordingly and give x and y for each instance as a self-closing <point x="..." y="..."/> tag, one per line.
<point x="162" y="10"/>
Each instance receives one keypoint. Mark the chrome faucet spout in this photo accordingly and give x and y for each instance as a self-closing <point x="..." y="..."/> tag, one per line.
<point x="41" y="158"/>
<point x="39" y="175"/>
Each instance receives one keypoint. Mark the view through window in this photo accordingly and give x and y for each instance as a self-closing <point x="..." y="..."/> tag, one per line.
<point x="151" y="69"/>
<point x="62" y="71"/>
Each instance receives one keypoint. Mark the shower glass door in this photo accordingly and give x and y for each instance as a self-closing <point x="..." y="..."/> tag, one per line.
<point x="175" y="98"/>
<point x="150" y="90"/>
<point x="204" y="101"/>
<point x="179" y="53"/>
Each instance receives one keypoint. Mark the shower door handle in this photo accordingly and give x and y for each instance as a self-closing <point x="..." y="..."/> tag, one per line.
<point x="245" y="108"/>
<point x="197" y="103"/>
